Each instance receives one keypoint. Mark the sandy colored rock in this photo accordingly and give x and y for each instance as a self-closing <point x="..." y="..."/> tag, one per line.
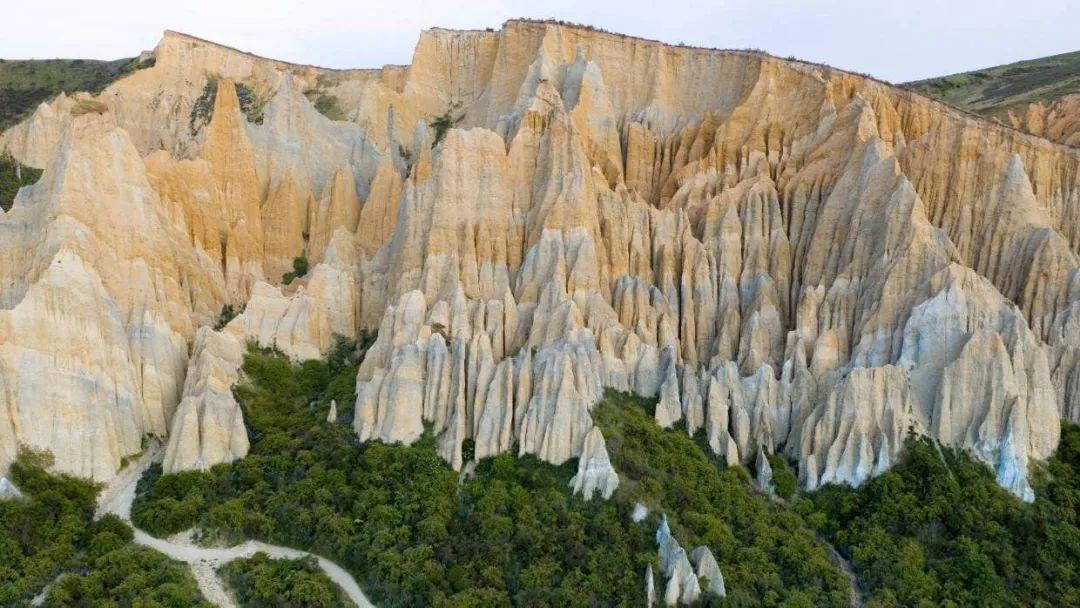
<point x="595" y="473"/>
<point x="208" y="426"/>
<point x="792" y="258"/>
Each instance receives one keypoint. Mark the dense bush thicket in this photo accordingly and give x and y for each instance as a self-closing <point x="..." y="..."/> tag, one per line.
<point x="261" y="582"/>
<point x="14" y="175"/>
<point x="50" y="532"/>
<point x="415" y="533"/>
<point x="936" y="530"/>
<point x="767" y="553"/>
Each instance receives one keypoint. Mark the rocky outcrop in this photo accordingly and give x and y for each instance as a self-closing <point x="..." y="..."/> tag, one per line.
<point x="650" y="586"/>
<point x="682" y="582"/>
<point x="708" y="571"/>
<point x="8" y="491"/>
<point x="763" y="479"/>
<point x="790" y="258"/>
<point x="595" y="473"/>
<point x="96" y="289"/>
<point x="1057" y="120"/>
<point x="208" y="426"/>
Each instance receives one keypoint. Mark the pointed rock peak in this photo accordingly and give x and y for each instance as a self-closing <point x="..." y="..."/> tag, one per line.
<point x="663" y="531"/>
<point x="286" y="85"/>
<point x="595" y="473"/>
<point x="1015" y="172"/>
<point x="708" y="571"/>
<point x="344" y="181"/>
<point x="1017" y="193"/>
<point x="764" y="481"/>
<point x="579" y="54"/>
<point x="1011" y="473"/>
<point x="226" y="99"/>
<point x="227" y="143"/>
<point x="650" y="586"/>
<point x="8" y="491"/>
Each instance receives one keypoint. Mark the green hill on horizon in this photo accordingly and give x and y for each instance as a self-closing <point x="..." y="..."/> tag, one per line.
<point x="994" y="91"/>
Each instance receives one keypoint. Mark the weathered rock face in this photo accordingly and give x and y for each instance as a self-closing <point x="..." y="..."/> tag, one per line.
<point x="708" y="570"/>
<point x="1057" y="121"/>
<point x="792" y="258"/>
<point x="650" y="587"/>
<point x="682" y="586"/>
<point x="595" y="473"/>
<point x="208" y="426"/>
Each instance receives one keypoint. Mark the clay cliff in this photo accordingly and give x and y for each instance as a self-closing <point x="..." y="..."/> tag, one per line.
<point x="1058" y="120"/>
<point x="792" y="258"/>
<point x="1038" y="96"/>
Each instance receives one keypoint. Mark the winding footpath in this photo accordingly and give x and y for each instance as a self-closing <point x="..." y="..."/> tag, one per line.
<point x="117" y="497"/>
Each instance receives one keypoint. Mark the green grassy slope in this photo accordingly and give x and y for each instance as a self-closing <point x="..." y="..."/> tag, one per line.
<point x="26" y="83"/>
<point x="993" y="91"/>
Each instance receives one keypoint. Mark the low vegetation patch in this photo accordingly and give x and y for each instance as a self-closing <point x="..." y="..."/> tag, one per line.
<point x="88" y="106"/>
<point x="300" y="269"/>
<point x="14" y="175"/>
<point x="261" y="582"/>
<point x="994" y="91"/>
<point x="50" y="534"/>
<point x="202" y="111"/>
<point x="328" y="105"/>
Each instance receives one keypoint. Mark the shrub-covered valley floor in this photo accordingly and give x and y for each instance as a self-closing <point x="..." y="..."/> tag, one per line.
<point x="934" y="531"/>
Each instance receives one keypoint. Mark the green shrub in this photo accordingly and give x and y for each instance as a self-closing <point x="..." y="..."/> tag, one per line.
<point x="261" y="582"/>
<point x="300" y="269"/>
<point x="300" y="266"/>
<point x="415" y="533"/>
<point x="767" y="553"/>
<point x="40" y="535"/>
<point x="14" y="175"/>
<point x="228" y="313"/>
<point x="50" y="534"/>
<point x="202" y="110"/>
<point x="442" y="124"/>
<point x="784" y="481"/>
<point x="127" y="575"/>
<point x="938" y="530"/>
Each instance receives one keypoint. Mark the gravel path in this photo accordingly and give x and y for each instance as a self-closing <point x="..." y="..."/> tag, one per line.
<point x="204" y="561"/>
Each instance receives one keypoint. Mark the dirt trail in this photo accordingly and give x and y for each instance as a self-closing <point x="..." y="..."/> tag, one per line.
<point x="204" y="561"/>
